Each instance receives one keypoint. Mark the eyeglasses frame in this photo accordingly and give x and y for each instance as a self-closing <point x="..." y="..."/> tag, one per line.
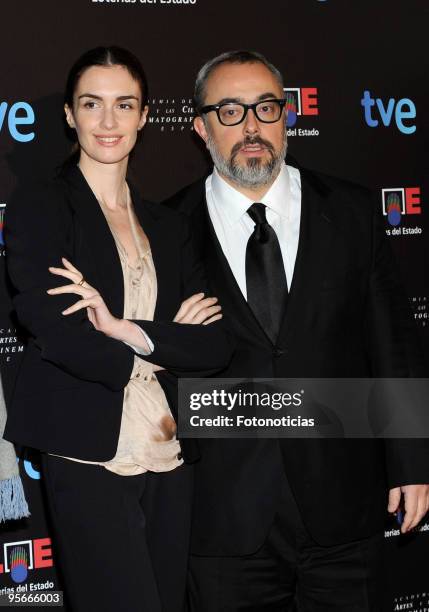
<point x="216" y="107"/>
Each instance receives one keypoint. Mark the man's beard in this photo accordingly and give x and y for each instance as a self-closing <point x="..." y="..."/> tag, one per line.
<point x="255" y="172"/>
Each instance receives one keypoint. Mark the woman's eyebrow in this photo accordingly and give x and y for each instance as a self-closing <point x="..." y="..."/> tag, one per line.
<point x="90" y="95"/>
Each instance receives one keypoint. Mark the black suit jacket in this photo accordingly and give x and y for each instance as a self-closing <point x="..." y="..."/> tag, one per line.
<point x="69" y="391"/>
<point x="347" y="316"/>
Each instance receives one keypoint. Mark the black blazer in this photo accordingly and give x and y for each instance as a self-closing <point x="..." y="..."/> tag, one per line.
<point x="347" y="316"/>
<point x="69" y="391"/>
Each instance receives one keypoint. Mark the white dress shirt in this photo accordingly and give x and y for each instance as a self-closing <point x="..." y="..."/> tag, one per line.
<point x="233" y="226"/>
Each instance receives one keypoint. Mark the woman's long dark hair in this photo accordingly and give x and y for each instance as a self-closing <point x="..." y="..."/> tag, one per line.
<point x="102" y="56"/>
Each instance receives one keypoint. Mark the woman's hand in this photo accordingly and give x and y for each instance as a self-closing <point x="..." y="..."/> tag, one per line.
<point x="197" y="309"/>
<point x="98" y="313"/>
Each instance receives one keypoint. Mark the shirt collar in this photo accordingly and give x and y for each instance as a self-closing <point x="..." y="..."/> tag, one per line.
<point x="234" y="204"/>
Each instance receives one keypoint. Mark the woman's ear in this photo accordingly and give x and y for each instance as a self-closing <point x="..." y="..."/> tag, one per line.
<point x="69" y="116"/>
<point x="143" y="117"/>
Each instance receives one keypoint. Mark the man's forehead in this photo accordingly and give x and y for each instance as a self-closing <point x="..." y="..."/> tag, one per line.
<point x="239" y="80"/>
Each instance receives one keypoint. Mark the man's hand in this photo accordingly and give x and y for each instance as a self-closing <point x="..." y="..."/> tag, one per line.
<point x="416" y="504"/>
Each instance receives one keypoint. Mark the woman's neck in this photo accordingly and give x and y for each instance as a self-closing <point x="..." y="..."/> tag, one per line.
<point x="107" y="181"/>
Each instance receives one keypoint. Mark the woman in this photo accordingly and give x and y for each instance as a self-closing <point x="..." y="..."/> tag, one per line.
<point x="87" y="395"/>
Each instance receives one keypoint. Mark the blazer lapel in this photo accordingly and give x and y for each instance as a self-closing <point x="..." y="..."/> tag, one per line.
<point x="105" y="257"/>
<point x="99" y="239"/>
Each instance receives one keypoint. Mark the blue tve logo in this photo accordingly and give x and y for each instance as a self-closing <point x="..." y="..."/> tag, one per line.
<point x="375" y="110"/>
<point x="18" y="115"/>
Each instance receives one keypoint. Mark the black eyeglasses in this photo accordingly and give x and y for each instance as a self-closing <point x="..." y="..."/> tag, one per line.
<point x="233" y="113"/>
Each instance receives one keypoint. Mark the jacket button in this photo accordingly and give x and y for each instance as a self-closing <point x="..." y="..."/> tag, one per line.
<point x="278" y="352"/>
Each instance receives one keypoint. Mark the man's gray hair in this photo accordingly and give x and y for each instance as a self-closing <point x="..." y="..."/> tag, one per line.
<point x="230" y="57"/>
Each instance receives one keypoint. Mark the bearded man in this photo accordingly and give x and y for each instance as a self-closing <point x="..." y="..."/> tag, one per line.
<point x="306" y="280"/>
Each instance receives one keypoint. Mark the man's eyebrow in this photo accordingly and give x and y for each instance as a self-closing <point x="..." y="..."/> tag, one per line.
<point x="229" y="100"/>
<point x="90" y="95"/>
<point x="265" y="96"/>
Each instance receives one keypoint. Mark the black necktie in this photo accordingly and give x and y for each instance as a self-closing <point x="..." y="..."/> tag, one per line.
<point x="265" y="275"/>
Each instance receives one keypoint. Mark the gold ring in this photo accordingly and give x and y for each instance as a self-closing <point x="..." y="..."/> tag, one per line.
<point x="82" y="280"/>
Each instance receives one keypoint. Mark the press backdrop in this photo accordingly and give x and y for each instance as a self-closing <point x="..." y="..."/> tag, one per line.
<point x="356" y="74"/>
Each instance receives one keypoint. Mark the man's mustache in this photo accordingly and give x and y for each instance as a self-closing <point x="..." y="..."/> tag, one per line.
<point x="251" y="140"/>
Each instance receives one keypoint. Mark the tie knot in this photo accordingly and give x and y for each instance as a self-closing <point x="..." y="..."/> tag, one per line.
<point x="257" y="213"/>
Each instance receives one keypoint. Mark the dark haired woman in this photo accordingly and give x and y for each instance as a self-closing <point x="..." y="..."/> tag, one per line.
<point x="93" y="387"/>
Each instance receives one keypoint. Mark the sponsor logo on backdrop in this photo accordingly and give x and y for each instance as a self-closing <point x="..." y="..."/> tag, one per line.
<point x="14" y="118"/>
<point x="400" y="113"/>
<point x="171" y="114"/>
<point x="2" y="211"/>
<point x="147" y="2"/>
<point x="420" y="305"/>
<point x="413" y="602"/>
<point x="10" y="345"/>
<point x="302" y="103"/>
<point x="402" y="208"/>
<point x="21" y="561"/>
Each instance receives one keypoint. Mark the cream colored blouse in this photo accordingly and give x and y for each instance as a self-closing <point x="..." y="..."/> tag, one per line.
<point x="147" y="439"/>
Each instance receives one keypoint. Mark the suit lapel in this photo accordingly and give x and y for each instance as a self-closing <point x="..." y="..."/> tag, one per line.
<point x="224" y="282"/>
<point x="315" y="239"/>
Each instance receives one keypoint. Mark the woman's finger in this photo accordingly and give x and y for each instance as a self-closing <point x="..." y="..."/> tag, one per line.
<point x="190" y="301"/>
<point x="88" y="303"/>
<point x="66" y="273"/>
<point x="69" y="272"/>
<point x="85" y="292"/>
<point x="204" y="314"/>
<point x="71" y="267"/>
<point x="198" y="307"/>
<point x="213" y="319"/>
<point x="186" y="304"/>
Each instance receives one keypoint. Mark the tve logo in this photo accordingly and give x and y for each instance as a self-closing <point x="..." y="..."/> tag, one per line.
<point x="399" y="201"/>
<point x="31" y="471"/>
<point x="402" y="110"/>
<point x="18" y="115"/>
<point x="300" y="101"/>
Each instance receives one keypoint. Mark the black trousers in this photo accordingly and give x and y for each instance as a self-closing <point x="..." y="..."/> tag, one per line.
<point x="121" y="542"/>
<point x="289" y="572"/>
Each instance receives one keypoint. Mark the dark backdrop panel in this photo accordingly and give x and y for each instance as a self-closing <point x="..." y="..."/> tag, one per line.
<point x="331" y="50"/>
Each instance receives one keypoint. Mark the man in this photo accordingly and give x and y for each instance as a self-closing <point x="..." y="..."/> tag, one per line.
<point x="305" y="279"/>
